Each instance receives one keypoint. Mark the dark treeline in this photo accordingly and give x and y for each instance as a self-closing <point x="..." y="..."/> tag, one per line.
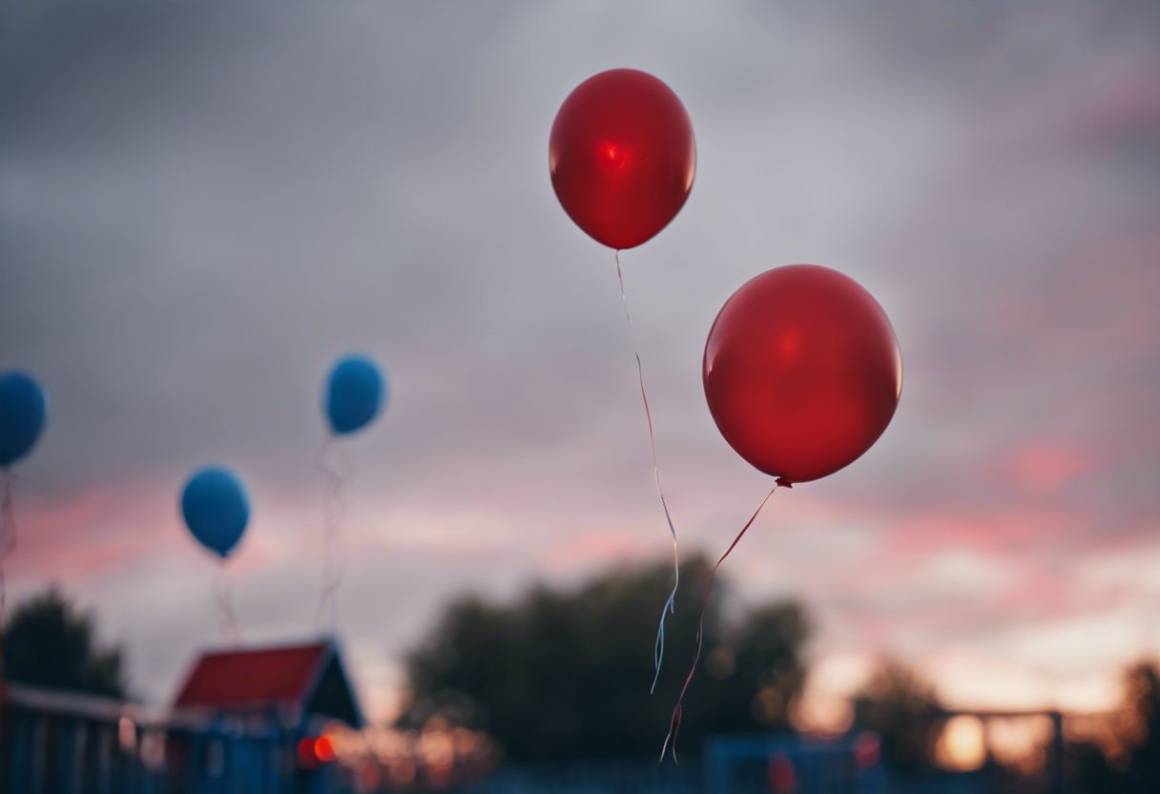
<point x="48" y="642"/>
<point x="565" y="673"/>
<point x="1128" y="760"/>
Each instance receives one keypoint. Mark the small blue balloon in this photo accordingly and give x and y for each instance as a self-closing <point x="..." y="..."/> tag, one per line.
<point x="355" y="392"/>
<point x="22" y="413"/>
<point x="215" y="508"/>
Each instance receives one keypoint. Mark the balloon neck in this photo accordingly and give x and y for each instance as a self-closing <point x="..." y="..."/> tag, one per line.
<point x="783" y="482"/>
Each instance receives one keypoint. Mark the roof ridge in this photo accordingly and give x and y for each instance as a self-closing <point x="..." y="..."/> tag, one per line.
<point x="324" y="642"/>
<point x="260" y="675"/>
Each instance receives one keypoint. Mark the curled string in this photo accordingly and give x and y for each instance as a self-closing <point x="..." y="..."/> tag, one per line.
<point x="670" y="606"/>
<point x="678" y="709"/>
<point x="334" y="476"/>
<point x="7" y="545"/>
<point x="223" y="595"/>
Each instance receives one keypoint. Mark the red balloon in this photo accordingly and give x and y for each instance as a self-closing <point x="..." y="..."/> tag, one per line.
<point x="802" y="372"/>
<point x="622" y="156"/>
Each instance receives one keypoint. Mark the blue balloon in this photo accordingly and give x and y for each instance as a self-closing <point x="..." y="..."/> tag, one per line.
<point x="355" y="392"/>
<point x="215" y="508"/>
<point x="22" y="413"/>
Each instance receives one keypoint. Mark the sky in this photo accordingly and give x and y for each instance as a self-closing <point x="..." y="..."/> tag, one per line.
<point x="203" y="204"/>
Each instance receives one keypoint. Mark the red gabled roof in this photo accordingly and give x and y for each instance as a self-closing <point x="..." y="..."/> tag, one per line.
<point x="253" y="678"/>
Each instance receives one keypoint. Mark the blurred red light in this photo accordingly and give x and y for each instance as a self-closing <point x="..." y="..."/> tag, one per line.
<point x="306" y="757"/>
<point x="314" y="751"/>
<point x="782" y="778"/>
<point x="867" y="750"/>
<point x="324" y="749"/>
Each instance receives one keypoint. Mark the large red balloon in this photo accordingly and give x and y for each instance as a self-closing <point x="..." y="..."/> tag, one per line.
<point x="622" y="156"/>
<point x="802" y="372"/>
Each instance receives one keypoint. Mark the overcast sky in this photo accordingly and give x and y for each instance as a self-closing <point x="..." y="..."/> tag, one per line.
<point x="202" y="204"/>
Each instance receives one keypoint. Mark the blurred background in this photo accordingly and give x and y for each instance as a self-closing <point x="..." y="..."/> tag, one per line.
<point x="203" y="204"/>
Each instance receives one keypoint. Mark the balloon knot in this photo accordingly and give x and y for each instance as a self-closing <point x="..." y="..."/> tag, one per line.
<point x="783" y="482"/>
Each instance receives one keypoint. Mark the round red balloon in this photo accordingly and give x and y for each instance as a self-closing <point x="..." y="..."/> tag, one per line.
<point x="802" y="372"/>
<point x="622" y="156"/>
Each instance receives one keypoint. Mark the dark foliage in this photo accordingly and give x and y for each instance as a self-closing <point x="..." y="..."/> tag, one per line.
<point x="1134" y="765"/>
<point x="50" y="643"/>
<point x="562" y="674"/>
<point x="904" y="711"/>
<point x="1142" y="703"/>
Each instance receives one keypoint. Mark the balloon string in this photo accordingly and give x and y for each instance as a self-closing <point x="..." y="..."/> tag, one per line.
<point x="223" y="594"/>
<point x="678" y="709"/>
<point x="670" y="606"/>
<point x="7" y="545"/>
<point x="333" y="510"/>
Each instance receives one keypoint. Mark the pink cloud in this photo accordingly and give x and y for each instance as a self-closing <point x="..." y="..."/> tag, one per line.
<point x="91" y="530"/>
<point x="592" y="549"/>
<point x="1047" y="467"/>
<point x="115" y="525"/>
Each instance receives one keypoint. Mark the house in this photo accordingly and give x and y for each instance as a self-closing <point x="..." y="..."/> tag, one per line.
<point x="257" y="719"/>
<point x="295" y="684"/>
<point x="244" y="720"/>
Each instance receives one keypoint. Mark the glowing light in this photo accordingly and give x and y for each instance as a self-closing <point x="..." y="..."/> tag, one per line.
<point x="1020" y="743"/>
<point x="439" y="755"/>
<point x="820" y="713"/>
<point x="324" y="749"/>
<point x="962" y="745"/>
<point x="315" y="750"/>
<point x="126" y="734"/>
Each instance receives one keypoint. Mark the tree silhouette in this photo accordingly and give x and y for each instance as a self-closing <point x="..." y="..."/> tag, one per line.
<point x="903" y="710"/>
<point x="1141" y="727"/>
<point x="565" y="674"/>
<point x="1133" y="766"/>
<point x="49" y="643"/>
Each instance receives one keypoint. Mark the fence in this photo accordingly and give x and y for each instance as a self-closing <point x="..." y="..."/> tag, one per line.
<point x="52" y="742"/>
<point x="65" y="743"/>
<point x="731" y="765"/>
